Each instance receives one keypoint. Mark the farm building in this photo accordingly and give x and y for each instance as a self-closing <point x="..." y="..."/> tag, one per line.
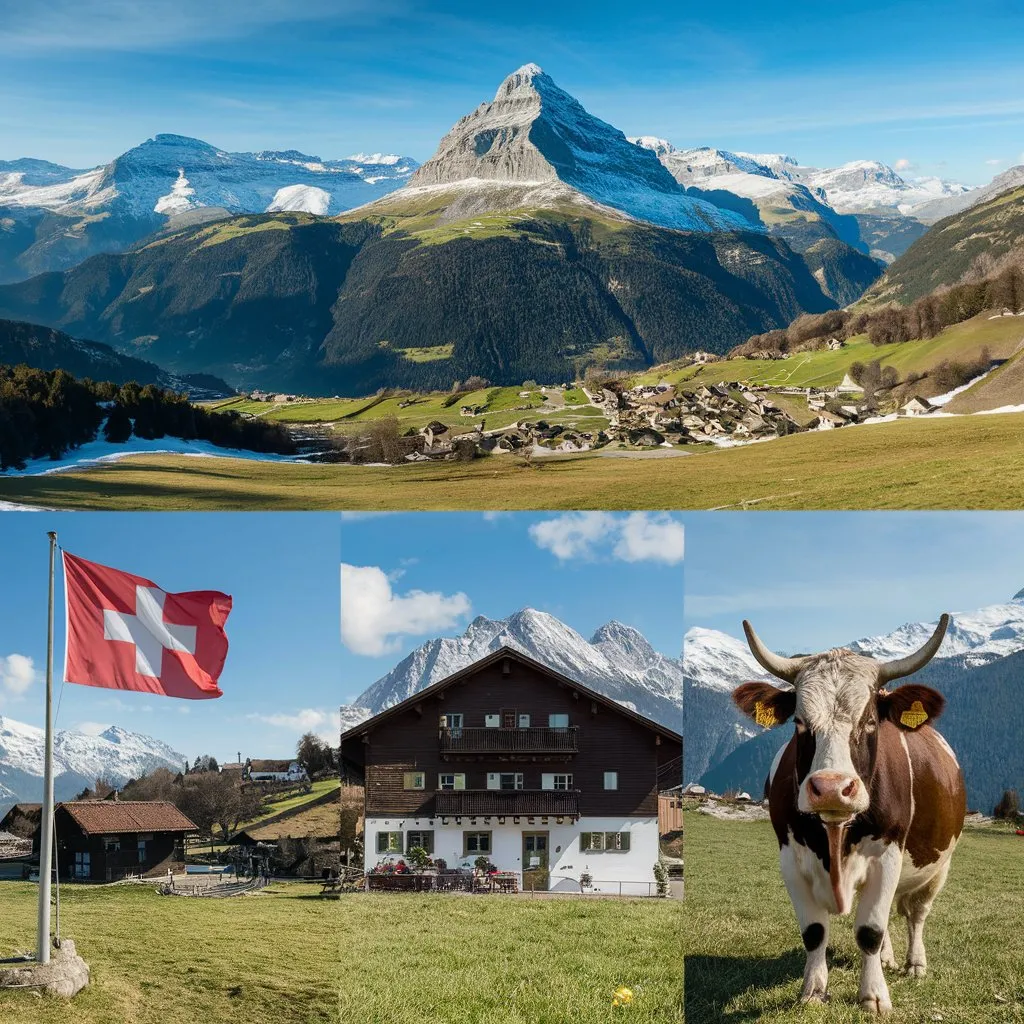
<point x="917" y="406"/>
<point x="513" y="762"/>
<point x="269" y="770"/>
<point x="105" y="840"/>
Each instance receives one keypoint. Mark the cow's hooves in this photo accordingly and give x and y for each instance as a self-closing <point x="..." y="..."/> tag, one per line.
<point x="890" y="963"/>
<point x="814" y="998"/>
<point x="878" y="1005"/>
<point x="915" y="970"/>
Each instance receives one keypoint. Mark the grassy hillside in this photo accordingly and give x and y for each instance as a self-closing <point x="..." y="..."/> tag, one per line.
<point x="967" y="243"/>
<point x="1003" y="387"/>
<point x="744" y="958"/>
<point x="286" y="956"/>
<point x="1002" y="336"/>
<point x="968" y="462"/>
<point x="291" y="302"/>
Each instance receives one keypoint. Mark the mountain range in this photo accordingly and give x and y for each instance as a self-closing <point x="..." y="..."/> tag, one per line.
<point x="53" y="217"/>
<point x="536" y="242"/>
<point x="617" y="661"/>
<point x="115" y="755"/>
<point x="979" y="668"/>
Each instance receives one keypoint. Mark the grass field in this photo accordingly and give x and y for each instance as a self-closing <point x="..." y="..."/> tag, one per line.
<point x="289" y="957"/>
<point x="296" y="801"/>
<point x="1002" y="336"/>
<point x="744" y="958"/>
<point x="969" y="462"/>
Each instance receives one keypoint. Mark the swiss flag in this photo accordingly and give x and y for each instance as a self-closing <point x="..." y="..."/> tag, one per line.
<point x="125" y="633"/>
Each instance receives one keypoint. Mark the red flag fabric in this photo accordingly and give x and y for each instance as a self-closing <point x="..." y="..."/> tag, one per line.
<point x="125" y="633"/>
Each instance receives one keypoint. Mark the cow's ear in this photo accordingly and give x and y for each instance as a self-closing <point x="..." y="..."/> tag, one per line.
<point x="765" y="704"/>
<point x="910" y="706"/>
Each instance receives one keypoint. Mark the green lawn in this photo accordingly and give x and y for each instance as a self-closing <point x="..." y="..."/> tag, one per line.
<point x="295" y="801"/>
<point x="744" y="958"/>
<point x="969" y="462"/>
<point x="287" y="956"/>
<point x="822" y="369"/>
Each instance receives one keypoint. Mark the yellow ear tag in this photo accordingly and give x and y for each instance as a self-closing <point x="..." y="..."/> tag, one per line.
<point x="764" y="714"/>
<point x="914" y="716"/>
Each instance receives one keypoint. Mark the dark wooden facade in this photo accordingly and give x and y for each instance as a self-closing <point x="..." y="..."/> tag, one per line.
<point x="101" y="841"/>
<point x="601" y="736"/>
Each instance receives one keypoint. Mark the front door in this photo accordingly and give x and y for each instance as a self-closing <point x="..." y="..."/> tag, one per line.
<point x="535" y="861"/>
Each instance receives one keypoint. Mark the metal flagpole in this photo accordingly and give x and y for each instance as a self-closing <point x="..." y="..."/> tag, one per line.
<point x="46" y="828"/>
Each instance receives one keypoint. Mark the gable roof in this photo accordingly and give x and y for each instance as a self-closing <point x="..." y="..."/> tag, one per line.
<point x="102" y="816"/>
<point x="490" y="659"/>
<point x="267" y="764"/>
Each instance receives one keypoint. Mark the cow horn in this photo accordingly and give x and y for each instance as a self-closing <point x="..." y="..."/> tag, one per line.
<point x="784" y="668"/>
<point x="891" y="670"/>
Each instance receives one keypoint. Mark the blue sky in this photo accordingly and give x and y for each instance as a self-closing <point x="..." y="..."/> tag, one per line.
<point x="811" y="581"/>
<point x="438" y="571"/>
<point x="932" y="83"/>
<point x="280" y="569"/>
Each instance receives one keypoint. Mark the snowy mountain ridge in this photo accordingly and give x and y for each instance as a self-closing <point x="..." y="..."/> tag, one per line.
<point x="169" y="174"/>
<point x="617" y="661"/>
<point x="78" y="759"/>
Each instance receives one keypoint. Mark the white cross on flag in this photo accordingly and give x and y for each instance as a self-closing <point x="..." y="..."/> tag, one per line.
<point x="125" y="633"/>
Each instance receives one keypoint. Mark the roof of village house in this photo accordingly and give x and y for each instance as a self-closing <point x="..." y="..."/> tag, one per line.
<point x="495" y="656"/>
<point x="271" y="765"/>
<point x="101" y="816"/>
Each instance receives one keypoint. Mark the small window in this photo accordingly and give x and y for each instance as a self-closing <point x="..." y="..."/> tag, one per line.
<point x="558" y="721"/>
<point x="597" y="841"/>
<point x="82" y="865"/>
<point x="492" y="721"/>
<point x="611" y="780"/>
<point x="476" y="843"/>
<point x="142" y="851"/>
<point x="415" y="780"/>
<point x="457" y="781"/>
<point x="389" y="842"/>
<point x="592" y="841"/>
<point x="424" y="839"/>
<point x="556" y="781"/>
<point x="504" y="780"/>
<point x="524" y="721"/>
<point x="616" y="841"/>
<point x="453" y="723"/>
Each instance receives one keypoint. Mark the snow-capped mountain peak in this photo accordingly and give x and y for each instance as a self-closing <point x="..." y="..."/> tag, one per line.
<point x="79" y="758"/>
<point x="618" y="662"/>
<point x="533" y="133"/>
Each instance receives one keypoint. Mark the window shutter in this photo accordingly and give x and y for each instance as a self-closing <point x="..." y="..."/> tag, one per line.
<point x="493" y="780"/>
<point x="524" y="721"/>
<point x="547" y="781"/>
<point x="492" y="721"/>
<point x="460" y="781"/>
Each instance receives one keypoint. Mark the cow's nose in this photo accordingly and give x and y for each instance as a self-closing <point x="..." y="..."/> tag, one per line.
<point x="831" y="791"/>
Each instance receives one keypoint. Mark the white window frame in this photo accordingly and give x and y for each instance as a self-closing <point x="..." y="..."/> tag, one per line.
<point x="492" y="721"/>
<point x="550" y="781"/>
<point x="458" y="780"/>
<point x="494" y="780"/>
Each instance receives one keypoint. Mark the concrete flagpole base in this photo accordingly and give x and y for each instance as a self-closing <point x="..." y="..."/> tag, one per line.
<point x="65" y="975"/>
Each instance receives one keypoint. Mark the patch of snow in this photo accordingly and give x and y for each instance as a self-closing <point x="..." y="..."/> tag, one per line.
<point x="179" y="199"/>
<point x="306" y="198"/>
<point x="941" y="400"/>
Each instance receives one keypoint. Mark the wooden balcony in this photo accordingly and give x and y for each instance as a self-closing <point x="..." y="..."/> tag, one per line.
<point x="564" y="802"/>
<point x="531" y="740"/>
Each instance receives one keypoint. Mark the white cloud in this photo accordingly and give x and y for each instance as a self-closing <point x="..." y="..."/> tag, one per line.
<point x="326" y="724"/>
<point x="637" y="537"/>
<point x="994" y="162"/>
<point x="17" y="673"/>
<point x="374" y="618"/>
<point x="651" y="537"/>
<point x="903" y="164"/>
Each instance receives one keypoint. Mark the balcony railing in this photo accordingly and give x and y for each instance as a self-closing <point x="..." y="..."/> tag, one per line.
<point x="507" y="801"/>
<point x="531" y="740"/>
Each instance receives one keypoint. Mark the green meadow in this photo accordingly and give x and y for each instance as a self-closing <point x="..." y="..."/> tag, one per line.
<point x="964" y="462"/>
<point x="744" y="957"/>
<point x="287" y="956"/>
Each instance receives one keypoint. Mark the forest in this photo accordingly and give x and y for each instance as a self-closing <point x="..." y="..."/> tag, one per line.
<point x="47" y="413"/>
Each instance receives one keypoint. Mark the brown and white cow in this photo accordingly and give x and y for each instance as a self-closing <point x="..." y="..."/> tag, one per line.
<point x="866" y="797"/>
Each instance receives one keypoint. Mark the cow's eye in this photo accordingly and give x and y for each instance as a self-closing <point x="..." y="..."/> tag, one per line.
<point x="870" y="725"/>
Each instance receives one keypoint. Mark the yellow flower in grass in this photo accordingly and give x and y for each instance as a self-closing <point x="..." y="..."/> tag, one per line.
<point x="622" y="996"/>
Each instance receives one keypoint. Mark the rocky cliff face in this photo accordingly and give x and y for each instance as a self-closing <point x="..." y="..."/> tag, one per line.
<point x="533" y="132"/>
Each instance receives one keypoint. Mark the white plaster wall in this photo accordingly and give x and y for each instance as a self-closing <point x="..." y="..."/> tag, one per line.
<point x="629" y="872"/>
